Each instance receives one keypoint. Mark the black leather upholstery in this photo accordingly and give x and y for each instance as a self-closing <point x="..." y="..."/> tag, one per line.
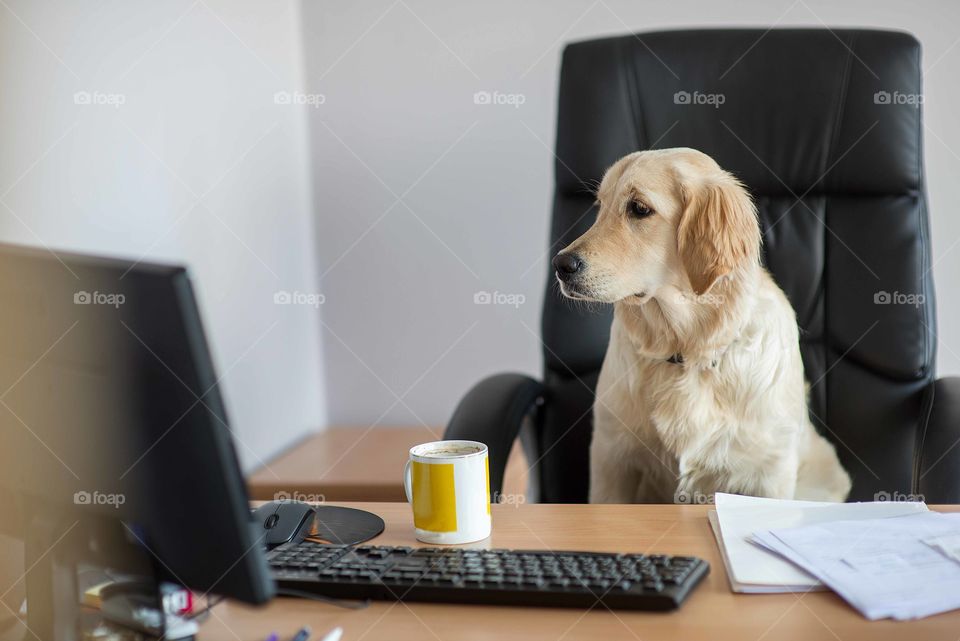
<point x="824" y="127"/>
<point x="503" y="399"/>
<point x="937" y="455"/>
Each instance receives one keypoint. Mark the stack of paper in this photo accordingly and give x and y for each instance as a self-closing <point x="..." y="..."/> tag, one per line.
<point x="890" y="567"/>
<point x="948" y="545"/>
<point x="752" y="568"/>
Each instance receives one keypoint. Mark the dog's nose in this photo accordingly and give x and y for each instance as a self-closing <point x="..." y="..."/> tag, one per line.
<point x="567" y="265"/>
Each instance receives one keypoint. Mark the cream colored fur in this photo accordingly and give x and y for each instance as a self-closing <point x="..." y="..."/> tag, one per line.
<point x="685" y="278"/>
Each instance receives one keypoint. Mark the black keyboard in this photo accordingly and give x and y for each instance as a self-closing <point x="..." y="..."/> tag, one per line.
<point x="493" y="577"/>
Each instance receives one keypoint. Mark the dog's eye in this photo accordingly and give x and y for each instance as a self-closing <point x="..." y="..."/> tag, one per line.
<point x="638" y="210"/>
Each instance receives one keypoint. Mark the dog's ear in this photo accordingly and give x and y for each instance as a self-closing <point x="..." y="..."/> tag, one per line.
<point x="718" y="231"/>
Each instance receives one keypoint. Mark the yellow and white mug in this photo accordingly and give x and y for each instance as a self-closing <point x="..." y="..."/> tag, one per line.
<point x="448" y="485"/>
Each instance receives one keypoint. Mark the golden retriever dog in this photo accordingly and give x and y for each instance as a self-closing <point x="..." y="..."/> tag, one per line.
<point x="702" y="387"/>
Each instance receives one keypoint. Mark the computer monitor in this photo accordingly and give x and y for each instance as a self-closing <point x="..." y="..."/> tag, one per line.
<point x="111" y="419"/>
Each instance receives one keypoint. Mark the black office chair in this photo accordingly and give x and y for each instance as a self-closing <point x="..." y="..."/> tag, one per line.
<point x="825" y="128"/>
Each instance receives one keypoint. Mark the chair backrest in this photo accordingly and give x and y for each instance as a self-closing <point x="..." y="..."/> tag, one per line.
<point x="824" y="127"/>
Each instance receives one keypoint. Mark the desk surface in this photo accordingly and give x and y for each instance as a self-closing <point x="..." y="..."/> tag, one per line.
<point x="712" y="612"/>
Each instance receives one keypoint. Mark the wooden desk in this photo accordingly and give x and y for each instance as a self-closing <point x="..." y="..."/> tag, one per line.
<point x="712" y="613"/>
<point x="357" y="464"/>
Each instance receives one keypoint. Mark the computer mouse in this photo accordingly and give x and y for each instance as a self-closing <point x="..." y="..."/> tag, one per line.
<point x="284" y="521"/>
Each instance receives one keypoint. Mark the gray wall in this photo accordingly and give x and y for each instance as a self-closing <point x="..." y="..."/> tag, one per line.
<point x="400" y="120"/>
<point x="182" y="154"/>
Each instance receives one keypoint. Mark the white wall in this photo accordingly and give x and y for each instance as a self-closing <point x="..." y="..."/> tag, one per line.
<point x="283" y="187"/>
<point x="399" y="120"/>
<point x="198" y="165"/>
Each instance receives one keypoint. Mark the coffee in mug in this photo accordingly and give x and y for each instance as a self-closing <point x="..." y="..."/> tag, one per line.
<point x="448" y="485"/>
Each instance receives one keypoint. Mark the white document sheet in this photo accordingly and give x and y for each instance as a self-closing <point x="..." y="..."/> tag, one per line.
<point x="948" y="545"/>
<point x="753" y="569"/>
<point x="882" y="567"/>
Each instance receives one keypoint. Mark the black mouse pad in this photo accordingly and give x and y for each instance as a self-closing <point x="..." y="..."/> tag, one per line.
<point x="344" y="525"/>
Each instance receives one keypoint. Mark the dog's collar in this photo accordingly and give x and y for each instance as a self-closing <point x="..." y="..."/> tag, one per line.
<point x="677" y="359"/>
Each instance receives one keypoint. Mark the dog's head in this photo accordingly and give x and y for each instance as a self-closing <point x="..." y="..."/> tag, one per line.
<point x="668" y="218"/>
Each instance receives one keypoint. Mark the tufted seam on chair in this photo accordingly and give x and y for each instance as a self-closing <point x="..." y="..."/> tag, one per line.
<point x="924" y="231"/>
<point x="630" y="73"/>
<point x="841" y="104"/>
<point x="831" y="151"/>
<point x="926" y="411"/>
<point x="928" y="398"/>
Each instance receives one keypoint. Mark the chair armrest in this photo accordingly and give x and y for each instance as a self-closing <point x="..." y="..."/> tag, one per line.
<point x="937" y="466"/>
<point x="492" y="413"/>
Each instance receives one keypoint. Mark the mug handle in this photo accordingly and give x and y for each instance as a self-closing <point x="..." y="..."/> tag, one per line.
<point x="408" y="482"/>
